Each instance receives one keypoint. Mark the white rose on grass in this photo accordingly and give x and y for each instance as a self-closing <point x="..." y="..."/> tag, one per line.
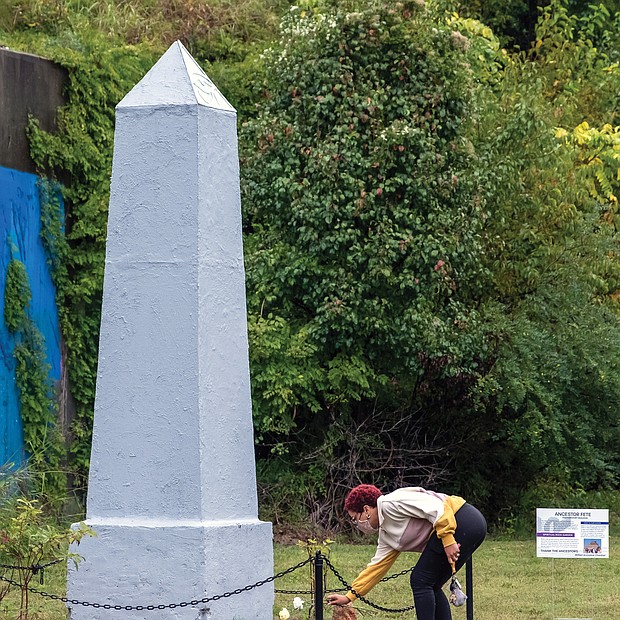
<point x="298" y="603"/>
<point x="284" y="614"/>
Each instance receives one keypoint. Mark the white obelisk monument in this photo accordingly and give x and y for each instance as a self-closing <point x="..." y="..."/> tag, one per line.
<point x="172" y="489"/>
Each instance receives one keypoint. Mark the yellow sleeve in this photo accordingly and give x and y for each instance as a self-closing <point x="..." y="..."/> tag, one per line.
<point x="445" y="526"/>
<point x="372" y="575"/>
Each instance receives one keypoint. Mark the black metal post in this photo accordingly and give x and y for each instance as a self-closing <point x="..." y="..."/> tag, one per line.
<point x="469" y="589"/>
<point x="318" y="586"/>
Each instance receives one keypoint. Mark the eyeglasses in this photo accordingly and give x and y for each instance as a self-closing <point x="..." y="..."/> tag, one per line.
<point x="355" y="520"/>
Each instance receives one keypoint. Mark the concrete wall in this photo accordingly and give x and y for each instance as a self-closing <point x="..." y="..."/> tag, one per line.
<point x="29" y="85"/>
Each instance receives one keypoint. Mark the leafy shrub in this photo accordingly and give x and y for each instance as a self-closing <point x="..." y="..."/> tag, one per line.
<point x="364" y="239"/>
<point x="29" y="538"/>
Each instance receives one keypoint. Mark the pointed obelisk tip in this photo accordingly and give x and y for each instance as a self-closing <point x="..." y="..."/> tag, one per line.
<point x="176" y="79"/>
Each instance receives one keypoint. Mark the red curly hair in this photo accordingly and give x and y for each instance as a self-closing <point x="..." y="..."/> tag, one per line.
<point x="360" y="496"/>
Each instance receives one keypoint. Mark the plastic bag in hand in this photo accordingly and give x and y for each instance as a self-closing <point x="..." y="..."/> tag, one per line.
<point x="457" y="596"/>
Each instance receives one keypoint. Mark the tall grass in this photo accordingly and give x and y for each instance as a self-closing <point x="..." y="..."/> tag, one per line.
<point x="153" y="21"/>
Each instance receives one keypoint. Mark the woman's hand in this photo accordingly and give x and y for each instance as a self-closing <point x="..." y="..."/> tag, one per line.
<point x="453" y="552"/>
<point x="338" y="599"/>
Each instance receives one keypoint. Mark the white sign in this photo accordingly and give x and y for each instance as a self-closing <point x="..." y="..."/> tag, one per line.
<point x="572" y="533"/>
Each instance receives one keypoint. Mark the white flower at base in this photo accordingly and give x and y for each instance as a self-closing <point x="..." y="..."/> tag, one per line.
<point x="298" y="603"/>
<point x="284" y="614"/>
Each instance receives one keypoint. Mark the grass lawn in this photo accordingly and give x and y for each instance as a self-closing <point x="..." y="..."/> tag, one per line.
<point x="509" y="583"/>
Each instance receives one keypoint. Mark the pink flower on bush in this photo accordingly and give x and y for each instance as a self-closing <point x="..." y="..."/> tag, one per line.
<point x="439" y="265"/>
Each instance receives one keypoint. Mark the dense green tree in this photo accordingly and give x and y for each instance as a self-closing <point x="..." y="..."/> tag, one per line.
<point x="549" y="403"/>
<point x="363" y="237"/>
<point x="428" y="265"/>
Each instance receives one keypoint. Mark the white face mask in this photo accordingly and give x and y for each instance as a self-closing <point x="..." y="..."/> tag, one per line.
<point x="364" y="526"/>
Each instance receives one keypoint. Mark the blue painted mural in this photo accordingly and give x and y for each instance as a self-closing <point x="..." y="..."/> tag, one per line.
<point x="20" y="238"/>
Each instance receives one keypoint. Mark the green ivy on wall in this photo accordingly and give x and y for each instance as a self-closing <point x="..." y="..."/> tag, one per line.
<point x="38" y="405"/>
<point x="16" y="296"/>
<point x="53" y="229"/>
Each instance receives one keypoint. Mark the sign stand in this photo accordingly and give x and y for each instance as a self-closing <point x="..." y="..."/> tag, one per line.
<point x="568" y="534"/>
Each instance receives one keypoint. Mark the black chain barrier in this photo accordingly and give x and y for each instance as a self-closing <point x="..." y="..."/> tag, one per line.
<point x="35" y="568"/>
<point x="362" y="598"/>
<point x="207" y="599"/>
<point x="346" y="589"/>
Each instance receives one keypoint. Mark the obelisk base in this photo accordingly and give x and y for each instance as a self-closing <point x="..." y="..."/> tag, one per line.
<point x="140" y="562"/>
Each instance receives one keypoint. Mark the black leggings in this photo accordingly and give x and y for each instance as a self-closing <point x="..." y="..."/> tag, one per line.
<point x="433" y="569"/>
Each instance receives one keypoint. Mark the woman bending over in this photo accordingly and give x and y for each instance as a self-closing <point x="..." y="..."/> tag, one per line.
<point x="444" y="529"/>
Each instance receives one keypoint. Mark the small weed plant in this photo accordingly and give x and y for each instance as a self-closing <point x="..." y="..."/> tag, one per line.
<point x="30" y="540"/>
